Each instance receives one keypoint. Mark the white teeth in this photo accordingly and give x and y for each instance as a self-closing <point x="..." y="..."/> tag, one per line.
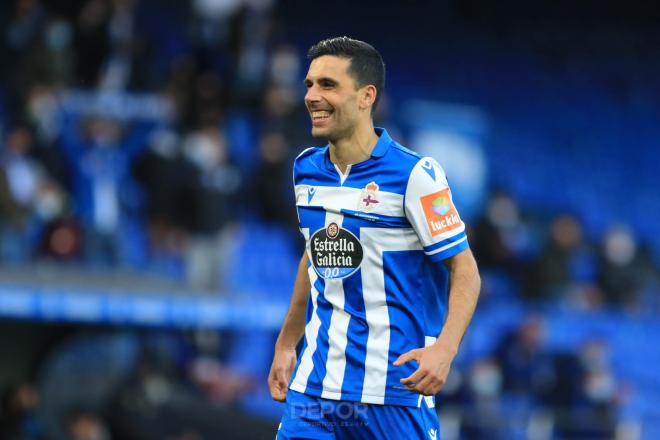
<point x="321" y="114"/>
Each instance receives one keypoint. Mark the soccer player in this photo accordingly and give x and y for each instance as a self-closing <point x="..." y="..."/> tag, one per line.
<point x="387" y="284"/>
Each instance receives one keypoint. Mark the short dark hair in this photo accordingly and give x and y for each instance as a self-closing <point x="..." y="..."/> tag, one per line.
<point x="367" y="66"/>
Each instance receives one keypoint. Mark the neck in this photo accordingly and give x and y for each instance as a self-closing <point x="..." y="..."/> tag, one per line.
<point x="355" y="148"/>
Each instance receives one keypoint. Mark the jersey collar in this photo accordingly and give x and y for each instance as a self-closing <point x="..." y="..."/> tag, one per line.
<point x="383" y="144"/>
<point x="379" y="150"/>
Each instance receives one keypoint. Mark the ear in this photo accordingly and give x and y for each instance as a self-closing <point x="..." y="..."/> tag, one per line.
<point x="367" y="96"/>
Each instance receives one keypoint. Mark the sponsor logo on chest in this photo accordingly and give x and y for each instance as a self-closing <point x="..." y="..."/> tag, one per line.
<point x="336" y="252"/>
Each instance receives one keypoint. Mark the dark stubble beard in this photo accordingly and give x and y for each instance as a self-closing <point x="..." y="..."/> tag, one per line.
<point x="339" y="133"/>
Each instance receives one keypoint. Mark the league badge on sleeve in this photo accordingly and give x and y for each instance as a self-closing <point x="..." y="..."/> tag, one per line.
<point x="368" y="198"/>
<point x="440" y="213"/>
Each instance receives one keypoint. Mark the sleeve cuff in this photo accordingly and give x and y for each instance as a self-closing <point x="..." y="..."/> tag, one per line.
<point x="451" y="250"/>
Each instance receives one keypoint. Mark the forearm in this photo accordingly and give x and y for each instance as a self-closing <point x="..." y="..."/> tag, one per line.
<point x="464" y="286"/>
<point x="294" y="323"/>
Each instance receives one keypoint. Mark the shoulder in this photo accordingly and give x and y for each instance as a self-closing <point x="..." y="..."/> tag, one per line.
<point x="309" y="161"/>
<point x="426" y="176"/>
<point x="307" y="152"/>
<point x="310" y="155"/>
<point x="401" y="158"/>
<point x="405" y="153"/>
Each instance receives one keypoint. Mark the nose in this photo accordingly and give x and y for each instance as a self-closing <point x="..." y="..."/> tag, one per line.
<point x="312" y="96"/>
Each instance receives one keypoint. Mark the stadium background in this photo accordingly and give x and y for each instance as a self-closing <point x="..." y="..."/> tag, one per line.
<point x="147" y="233"/>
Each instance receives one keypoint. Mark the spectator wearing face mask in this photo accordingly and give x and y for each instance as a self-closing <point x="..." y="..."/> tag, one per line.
<point x="210" y="193"/>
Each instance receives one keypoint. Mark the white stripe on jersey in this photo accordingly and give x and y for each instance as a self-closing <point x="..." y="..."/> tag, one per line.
<point x="375" y="305"/>
<point x="338" y="331"/>
<point x="306" y="366"/>
<point x="336" y="198"/>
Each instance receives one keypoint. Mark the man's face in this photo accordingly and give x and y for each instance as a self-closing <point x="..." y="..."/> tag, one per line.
<point x="332" y="98"/>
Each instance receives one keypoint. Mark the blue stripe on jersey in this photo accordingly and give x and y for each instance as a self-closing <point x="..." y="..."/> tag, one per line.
<point x="388" y="172"/>
<point x="459" y="247"/>
<point x="378" y="220"/>
<point x="404" y="291"/>
<point x="358" y="328"/>
<point x="314" y="218"/>
<point x="320" y="356"/>
<point x="435" y="296"/>
<point x="442" y="243"/>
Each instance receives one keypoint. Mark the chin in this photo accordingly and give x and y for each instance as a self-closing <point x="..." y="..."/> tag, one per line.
<point x="319" y="133"/>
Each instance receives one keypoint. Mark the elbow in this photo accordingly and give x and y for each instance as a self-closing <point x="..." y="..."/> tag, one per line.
<point x="476" y="277"/>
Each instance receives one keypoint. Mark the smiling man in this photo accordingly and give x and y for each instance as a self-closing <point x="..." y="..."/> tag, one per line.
<point x="387" y="284"/>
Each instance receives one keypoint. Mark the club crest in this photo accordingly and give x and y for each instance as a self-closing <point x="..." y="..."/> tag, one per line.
<point x="368" y="197"/>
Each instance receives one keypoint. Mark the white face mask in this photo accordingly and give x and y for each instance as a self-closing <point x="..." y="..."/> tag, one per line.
<point x="600" y="387"/>
<point x="59" y="35"/>
<point x="49" y="205"/>
<point x="486" y="380"/>
<point x="203" y="151"/>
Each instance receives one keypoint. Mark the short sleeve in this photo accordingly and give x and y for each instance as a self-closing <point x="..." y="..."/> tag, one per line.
<point x="431" y="211"/>
<point x="301" y="191"/>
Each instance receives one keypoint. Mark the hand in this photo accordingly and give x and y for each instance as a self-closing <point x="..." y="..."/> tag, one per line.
<point x="280" y="373"/>
<point x="434" y="362"/>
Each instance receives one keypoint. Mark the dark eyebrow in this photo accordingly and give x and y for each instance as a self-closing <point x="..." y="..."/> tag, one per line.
<point x="327" y="81"/>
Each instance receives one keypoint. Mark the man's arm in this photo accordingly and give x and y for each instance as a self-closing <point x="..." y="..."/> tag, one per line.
<point x="435" y="360"/>
<point x="292" y="330"/>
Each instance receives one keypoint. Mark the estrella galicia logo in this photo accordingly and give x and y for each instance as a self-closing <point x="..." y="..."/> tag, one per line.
<point x="336" y="252"/>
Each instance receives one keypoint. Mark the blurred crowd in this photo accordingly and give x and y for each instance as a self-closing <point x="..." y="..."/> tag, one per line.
<point x="101" y="385"/>
<point x="134" y="133"/>
<point x="552" y="260"/>
<point x="524" y="390"/>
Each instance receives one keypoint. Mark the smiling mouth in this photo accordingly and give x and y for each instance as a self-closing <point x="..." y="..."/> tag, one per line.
<point x="321" y="115"/>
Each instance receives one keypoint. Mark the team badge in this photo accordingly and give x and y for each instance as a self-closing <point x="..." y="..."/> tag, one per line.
<point x="441" y="215"/>
<point x="332" y="230"/>
<point x="369" y="198"/>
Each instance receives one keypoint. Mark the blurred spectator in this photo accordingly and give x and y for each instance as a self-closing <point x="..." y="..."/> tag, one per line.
<point x="593" y="413"/>
<point x="500" y="237"/>
<point x="60" y="234"/>
<point x="211" y="206"/>
<point x="104" y="195"/>
<point x="165" y="178"/>
<point x="92" y="44"/>
<point x="80" y="378"/>
<point x="285" y="66"/>
<point x="20" y="179"/>
<point x="283" y="111"/>
<point x="623" y="270"/>
<point x="271" y="186"/>
<point x="18" y="420"/>
<point x="84" y="425"/>
<point x="566" y="264"/>
<point x="525" y="365"/>
<point x="484" y="418"/>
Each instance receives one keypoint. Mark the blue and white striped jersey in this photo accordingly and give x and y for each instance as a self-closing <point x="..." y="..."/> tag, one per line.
<point x="373" y="236"/>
